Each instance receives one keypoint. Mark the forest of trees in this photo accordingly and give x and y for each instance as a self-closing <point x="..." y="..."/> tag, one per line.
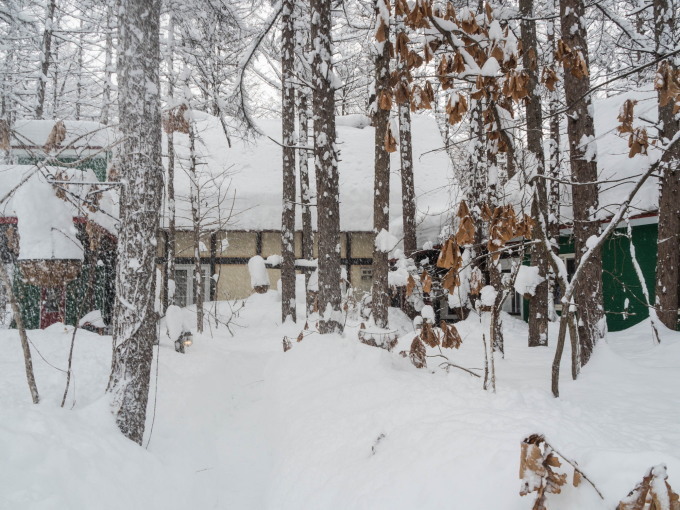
<point x="511" y="86"/>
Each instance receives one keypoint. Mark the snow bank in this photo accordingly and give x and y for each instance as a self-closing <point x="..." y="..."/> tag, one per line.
<point x="334" y="424"/>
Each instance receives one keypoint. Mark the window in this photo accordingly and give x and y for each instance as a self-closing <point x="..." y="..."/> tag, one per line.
<point x="184" y="284"/>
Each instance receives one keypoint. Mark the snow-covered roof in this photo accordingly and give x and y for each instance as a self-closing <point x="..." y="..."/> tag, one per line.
<point x="80" y="134"/>
<point x="612" y="154"/>
<point x="35" y="203"/>
<point x="617" y="173"/>
<point x="252" y="177"/>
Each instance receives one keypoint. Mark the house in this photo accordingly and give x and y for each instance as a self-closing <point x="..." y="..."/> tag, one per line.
<point x="624" y="300"/>
<point x="48" y="238"/>
<point x="239" y="189"/>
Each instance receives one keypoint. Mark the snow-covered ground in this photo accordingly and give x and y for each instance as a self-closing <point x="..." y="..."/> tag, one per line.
<point x="332" y="423"/>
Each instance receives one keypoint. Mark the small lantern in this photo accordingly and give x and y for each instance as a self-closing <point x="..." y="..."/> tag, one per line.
<point x="184" y="341"/>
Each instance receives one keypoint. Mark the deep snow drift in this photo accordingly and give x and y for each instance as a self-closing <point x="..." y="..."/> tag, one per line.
<point x="332" y="423"/>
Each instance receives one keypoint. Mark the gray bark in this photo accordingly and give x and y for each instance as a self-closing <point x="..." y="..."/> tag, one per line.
<point x="538" y="314"/>
<point x="580" y="129"/>
<point x="381" y="198"/>
<point x="668" y="255"/>
<point x="288" y="153"/>
<point x="326" y="167"/>
<point x="135" y="321"/>
<point x="45" y="59"/>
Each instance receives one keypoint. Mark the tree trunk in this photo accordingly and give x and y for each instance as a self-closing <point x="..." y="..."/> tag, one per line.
<point x="172" y="232"/>
<point x="45" y="59"/>
<point x="381" y="189"/>
<point x="408" y="192"/>
<point x="326" y="167"/>
<point x="16" y="311"/>
<point x="135" y="321"/>
<point x="307" y="241"/>
<point x="668" y="258"/>
<point x="194" y="197"/>
<point x="538" y="311"/>
<point x="108" y="64"/>
<point x="583" y="153"/>
<point x="553" y="204"/>
<point x="288" y="153"/>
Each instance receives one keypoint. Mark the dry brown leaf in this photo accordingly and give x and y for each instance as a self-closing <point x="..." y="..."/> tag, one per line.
<point x="56" y="136"/>
<point x="410" y="285"/>
<point x="626" y="116"/>
<point x="428" y="335"/>
<point x="638" y="142"/>
<point x="426" y="280"/>
<point x="390" y="141"/>
<point x="466" y="232"/>
<point x="287" y="346"/>
<point x="418" y="353"/>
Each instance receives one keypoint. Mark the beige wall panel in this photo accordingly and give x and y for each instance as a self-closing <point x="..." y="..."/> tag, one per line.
<point x="356" y="281"/>
<point x="362" y="244"/>
<point x="271" y="244"/>
<point x="160" y="247"/>
<point x="241" y="244"/>
<point x="184" y="242"/>
<point x="234" y="282"/>
<point x="274" y="276"/>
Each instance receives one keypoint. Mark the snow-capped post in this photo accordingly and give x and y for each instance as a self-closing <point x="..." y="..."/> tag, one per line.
<point x="668" y="258"/>
<point x="259" y="278"/>
<point x="573" y="52"/>
<point x="326" y="166"/>
<point x="384" y="144"/>
<point x="141" y="172"/>
<point x="288" y="165"/>
<point x="538" y="303"/>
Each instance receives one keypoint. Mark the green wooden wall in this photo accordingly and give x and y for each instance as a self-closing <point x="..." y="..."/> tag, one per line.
<point x="97" y="165"/>
<point x="30" y="296"/>
<point x="619" y="278"/>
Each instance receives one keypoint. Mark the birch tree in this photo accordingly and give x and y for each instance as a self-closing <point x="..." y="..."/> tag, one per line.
<point x="135" y="321"/>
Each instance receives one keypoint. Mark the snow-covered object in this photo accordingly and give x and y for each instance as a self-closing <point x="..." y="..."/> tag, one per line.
<point x="94" y="318"/>
<point x="385" y="241"/>
<point x="79" y="134"/>
<point x="527" y="280"/>
<point x="259" y="277"/>
<point x="488" y="295"/>
<point x="460" y="296"/>
<point x="274" y="260"/>
<point x="45" y="223"/>
<point x="37" y="185"/>
<point x="427" y="313"/>
<point x="175" y="322"/>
